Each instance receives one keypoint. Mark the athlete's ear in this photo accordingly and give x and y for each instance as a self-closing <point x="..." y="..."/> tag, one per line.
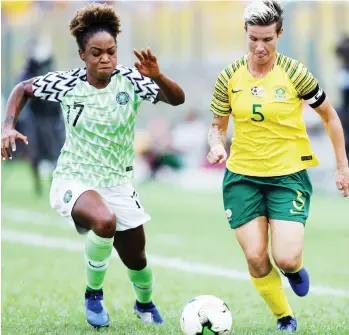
<point x="281" y="32"/>
<point x="82" y="54"/>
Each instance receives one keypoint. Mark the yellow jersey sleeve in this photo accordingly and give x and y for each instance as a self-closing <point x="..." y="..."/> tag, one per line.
<point x="306" y="85"/>
<point x="220" y="104"/>
<point x="303" y="80"/>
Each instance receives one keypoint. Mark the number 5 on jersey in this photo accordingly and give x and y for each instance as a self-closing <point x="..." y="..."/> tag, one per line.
<point x="260" y="116"/>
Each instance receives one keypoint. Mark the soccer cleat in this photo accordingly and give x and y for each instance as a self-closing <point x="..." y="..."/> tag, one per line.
<point x="299" y="282"/>
<point x="148" y="313"/>
<point x="96" y="314"/>
<point x="287" y="324"/>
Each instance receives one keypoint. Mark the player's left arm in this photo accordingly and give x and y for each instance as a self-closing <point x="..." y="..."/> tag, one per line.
<point x="334" y="130"/>
<point x="308" y="89"/>
<point x="170" y="92"/>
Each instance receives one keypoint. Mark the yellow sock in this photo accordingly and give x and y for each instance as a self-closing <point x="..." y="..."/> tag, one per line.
<point x="271" y="290"/>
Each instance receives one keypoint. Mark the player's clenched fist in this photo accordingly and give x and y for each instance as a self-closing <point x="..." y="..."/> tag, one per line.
<point x="342" y="181"/>
<point x="217" y="154"/>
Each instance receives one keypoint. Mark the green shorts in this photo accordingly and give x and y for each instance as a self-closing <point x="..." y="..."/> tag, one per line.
<point x="280" y="198"/>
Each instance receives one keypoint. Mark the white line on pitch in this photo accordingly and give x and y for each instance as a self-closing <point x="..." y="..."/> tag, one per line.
<point x="20" y="215"/>
<point x="160" y="261"/>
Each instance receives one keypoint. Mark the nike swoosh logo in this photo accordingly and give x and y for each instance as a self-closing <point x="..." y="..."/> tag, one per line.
<point x="294" y="212"/>
<point x="96" y="267"/>
<point x="236" y="91"/>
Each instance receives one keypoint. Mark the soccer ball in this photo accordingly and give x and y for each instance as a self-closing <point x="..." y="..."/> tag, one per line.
<point x="206" y="315"/>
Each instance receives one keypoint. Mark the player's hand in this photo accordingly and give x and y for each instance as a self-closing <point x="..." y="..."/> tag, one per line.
<point x="217" y="154"/>
<point x="342" y="181"/>
<point x="8" y="142"/>
<point x="148" y="64"/>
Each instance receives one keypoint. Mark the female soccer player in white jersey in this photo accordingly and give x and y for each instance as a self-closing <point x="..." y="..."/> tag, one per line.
<point x="266" y="183"/>
<point x="91" y="185"/>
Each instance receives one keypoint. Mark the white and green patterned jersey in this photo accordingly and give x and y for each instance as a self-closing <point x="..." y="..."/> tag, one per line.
<point x="99" y="123"/>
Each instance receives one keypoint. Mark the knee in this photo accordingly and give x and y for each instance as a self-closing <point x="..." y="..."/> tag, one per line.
<point x="105" y="225"/>
<point x="141" y="257"/>
<point x="257" y="260"/>
<point x="136" y="261"/>
<point x="140" y="263"/>
<point x="287" y="263"/>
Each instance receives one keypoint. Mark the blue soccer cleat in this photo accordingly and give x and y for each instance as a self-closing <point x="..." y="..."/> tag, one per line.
<point x="96" y="314"/>
<point x="148" y="313"/>
<point x="287" y="324"/>
<point x="299" y="282"/>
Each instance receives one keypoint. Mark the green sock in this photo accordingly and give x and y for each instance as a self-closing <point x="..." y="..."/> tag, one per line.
<point x="143" y="283"/>
<point x="97" y="254"/>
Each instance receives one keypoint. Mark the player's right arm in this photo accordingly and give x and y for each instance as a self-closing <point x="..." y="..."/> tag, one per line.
<point x="15" y="104"/>
<point x="52" y="86"/>
<point x="220" y="107"/>
<point x="217" y="139"/>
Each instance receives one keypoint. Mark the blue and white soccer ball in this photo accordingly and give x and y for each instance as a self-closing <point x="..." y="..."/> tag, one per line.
<point x="206" y="315"/>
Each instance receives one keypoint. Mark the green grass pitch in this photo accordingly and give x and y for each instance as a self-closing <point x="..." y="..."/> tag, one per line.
<point x="43" y="281"/>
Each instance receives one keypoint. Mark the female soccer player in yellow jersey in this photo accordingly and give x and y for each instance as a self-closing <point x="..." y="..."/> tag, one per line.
<point x="266" y="182"/>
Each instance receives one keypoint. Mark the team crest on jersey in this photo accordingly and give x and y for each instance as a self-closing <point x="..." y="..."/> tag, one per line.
<point x="257" y="91"/>
<point x="280" y="94"/>
<point x="122" y="98"/>
<point x="67" y="196"/>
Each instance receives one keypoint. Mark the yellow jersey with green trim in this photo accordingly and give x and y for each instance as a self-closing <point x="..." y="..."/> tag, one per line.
<point x="270" y="137"/>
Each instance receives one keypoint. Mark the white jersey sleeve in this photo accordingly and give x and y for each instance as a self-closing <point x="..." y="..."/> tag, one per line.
<point x="55" y="85"/>
<point x="145" y="87"/>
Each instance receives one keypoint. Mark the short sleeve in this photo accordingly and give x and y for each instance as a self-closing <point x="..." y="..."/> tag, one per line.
<point x="145" y="87"/>
<point x="307" y="87"/>
<point x="55" y="85"/>
<point x="220" y="103"/>
<point x="303" y="80"/>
